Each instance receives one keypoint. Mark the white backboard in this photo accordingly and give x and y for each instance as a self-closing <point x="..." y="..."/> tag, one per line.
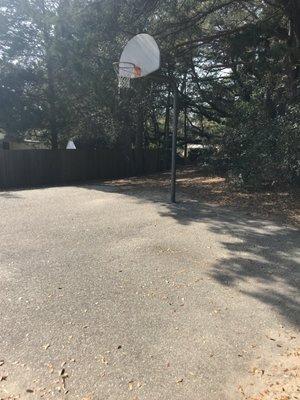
<point x="143" y="52"/>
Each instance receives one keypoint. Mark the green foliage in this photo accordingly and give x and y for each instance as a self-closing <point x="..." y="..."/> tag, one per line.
<point x="201" y="155"/>
<point x="236" y="64"/>
<point x="263" y="151"/>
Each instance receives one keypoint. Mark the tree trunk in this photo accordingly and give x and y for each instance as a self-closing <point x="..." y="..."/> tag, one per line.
<point x="51" y="95"/>
<point x="185" y="132"/>
<point x="52" y="108"/>
<point x="140" y="120"/>
<point x="185" y="119"/>
<point x="292" y="10"/>
<point x="167" y="120"/>
<point x="155" y="125"/>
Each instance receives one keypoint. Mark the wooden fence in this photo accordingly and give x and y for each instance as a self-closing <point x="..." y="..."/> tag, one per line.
<point x="28" y="168"/>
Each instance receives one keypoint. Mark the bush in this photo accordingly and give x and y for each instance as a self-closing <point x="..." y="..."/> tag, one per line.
<point x="201" y="155"/>
<point x="262" y="151"/>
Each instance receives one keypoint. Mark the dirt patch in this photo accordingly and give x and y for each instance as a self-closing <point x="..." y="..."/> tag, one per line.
<point x="281" y="204"/>
<point x="275" y="375"/>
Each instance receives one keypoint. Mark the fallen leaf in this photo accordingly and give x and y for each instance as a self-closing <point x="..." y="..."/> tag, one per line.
<point x="269" y="337"/>
<point x="51" y="369"/>
<point x="63" y="373"/>
<point x="104" y="360"/>
<point x="257" y="371"/>
<point x="240" y="389"/>
<point x="179" y="380"/>
<point x="180" y="271"/>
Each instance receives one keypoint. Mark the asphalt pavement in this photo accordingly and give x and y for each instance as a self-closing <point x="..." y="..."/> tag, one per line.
<point x="110" y="292"/>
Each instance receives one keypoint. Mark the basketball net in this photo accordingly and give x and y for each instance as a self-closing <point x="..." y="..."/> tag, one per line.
<point x="126" y="71"/>
<point x="123" y="82"/>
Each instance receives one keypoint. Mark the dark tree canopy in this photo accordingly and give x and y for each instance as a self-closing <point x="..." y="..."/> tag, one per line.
<point x="236" y="63"/>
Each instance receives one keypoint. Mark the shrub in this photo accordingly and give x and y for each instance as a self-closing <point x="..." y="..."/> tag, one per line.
<point x="262" y="151"/>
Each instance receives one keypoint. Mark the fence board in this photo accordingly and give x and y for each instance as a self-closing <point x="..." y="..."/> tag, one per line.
<point x="28" y="168"/>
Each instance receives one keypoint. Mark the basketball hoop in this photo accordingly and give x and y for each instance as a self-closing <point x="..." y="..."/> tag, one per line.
<point x="126" y="71"/>
<point x="141" y="57"/>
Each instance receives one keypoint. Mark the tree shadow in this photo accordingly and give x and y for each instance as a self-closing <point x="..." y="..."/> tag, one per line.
<point x="10" y="195"/>
<point x="262" y="259"/>
<point x="262" y="263"/>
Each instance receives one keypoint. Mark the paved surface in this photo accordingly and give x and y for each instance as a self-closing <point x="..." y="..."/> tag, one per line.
<point x="118" y="295"/>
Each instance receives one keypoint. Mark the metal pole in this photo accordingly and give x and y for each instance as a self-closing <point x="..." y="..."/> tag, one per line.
<point x="185" y="133"/>
<point x="174" y="142"/>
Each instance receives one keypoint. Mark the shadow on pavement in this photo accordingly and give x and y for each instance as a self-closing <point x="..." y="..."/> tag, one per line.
<point x="9" y="195"/>
<point x="262" y="256"/>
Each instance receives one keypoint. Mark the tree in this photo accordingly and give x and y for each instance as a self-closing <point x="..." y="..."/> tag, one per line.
<point x="28" y="68"/>
<point x="233" y="60"/>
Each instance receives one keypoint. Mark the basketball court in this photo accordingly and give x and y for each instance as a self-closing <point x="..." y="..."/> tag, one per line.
<point x="117" y="294"/>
